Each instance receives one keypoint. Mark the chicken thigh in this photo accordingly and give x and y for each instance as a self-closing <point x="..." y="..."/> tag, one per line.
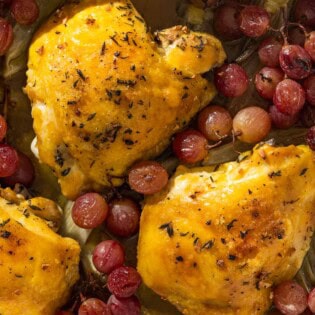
<point x="216" y="241"/>
<point x="105" y="94"/>
<point x="37" y="266"/>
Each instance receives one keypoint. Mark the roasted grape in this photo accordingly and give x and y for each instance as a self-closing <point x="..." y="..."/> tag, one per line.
<point x="25" y="11"/>
<point x="305" y="12"/>
<point x="309" y="87"/>
<point x="127" y="306"/>
<point x="280" y="120"/>
<point x="309" y="45"/>
<point x="94" y="307"/>
<point x="311" y="301"/>
<point x="9" y="160"/>
<point x="6" y="36"/>
<point x="269" y="51"/>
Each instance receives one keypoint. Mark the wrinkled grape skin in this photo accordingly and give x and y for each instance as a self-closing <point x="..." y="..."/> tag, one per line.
<point x="290" y="298"/>
<point x="309" y="87"/>
<point x="307" y="116"/>
<point x="253" y="123"/>
<point x="123" y="217"/>
<point x="295" y="62"/>
<point x="231" y="80"/>
<point x="305" y="12"/>
<point x="25" y="12"/>
<point x="215" y="122"/>
<point x="266" y="81"/>
<point x="108" y="255"/>
<point x="128" y="306"/>
<point x="269" y="51"/>
<point x="311" y="300"/>
<point x="310" y="138"/>
<point x="25" y="173"/>
<point x="225" y="22"/>
<point x="280" y="120"/>
<point x="9" y="160"/>
<point x="289" y="97"/>
<point x="190" y="146"/>
<point x="89" y="211"/>
<point x="254" y="21"/>
<point x="6" y="36"/>
<point x="94" y="307"/>
<point x="147" y="177"/>
<point x="124" y="281"/>
<point x="309" y="45"/>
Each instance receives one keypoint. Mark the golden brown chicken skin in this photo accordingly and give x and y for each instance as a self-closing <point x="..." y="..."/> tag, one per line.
<point x="37" y="266"/>
<point x="105" y="95"/>
<point x="215" y="242"/>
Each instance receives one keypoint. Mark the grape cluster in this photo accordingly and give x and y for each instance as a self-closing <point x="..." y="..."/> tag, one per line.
<point x="24" y="12"/>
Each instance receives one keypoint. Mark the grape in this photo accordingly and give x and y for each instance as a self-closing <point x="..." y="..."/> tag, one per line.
<point x="280" y="120"/>
<point x="308" y="116"/>
<point x="3" y="128"/>
<point x="123" y="282"/>
<point x="94" y="307"/>
<point x="252" y="123"/>
<point x="310" y="138"/>
<point x="225" y="22"/>
<point x="296" y="36"/>
<point x="190" y="146"/>
<point x="309" y="88"/>
<point x="266" y="81"/>
<point x="147" y="177"/>
<point x="127" y="306"/>
<point x="311" y="300"/>
<point x="309" y="45"/>
<point x="24" y="174"/>
<point x="9" y="160"/>
<point x="295" y="61"/>
<point x="290" y="298"/>
<point x="25" y="12"/>
<point x="231" y="80"/>
<point x="305" y="12"/>
<point x="289" y="97"/>
<point x="215" y="122"/>
<point x="254" y="21"/>
<point x="6" y="36"/>
<point x="89" y="211"/>
<point x="108" y="255"/>
<point x="123" y="218"/>
<point x="269" y="51"/>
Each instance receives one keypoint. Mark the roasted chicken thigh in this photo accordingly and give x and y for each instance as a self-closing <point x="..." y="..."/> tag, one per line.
<point x="37" y="266"/>
<point x="216" y="241"/>
<point x="105" y="94"/>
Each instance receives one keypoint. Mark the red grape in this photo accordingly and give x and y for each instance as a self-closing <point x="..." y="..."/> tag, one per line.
<point x="269" y="51"/>
<point x="290" y="298"/>
<point x="311" y="301"/>
<point x="89" y="211"/>
<point x="226" y="23"/>
<point x="3" y="128"/>
<point x="296" y="36"/>
<point x="124" y="281"/>
<point x="6" y="36"/>
<point x="25" y="11"/>
<point x="24" y="174"/>
<point x="309" y="45"/>
<point x="308" y="116"/>
<point x="190" y="146"/>
<point x="280" y="120"/>
<point x="310" y="138"/>
<point x="289" y="97"/>
<point x="123" y="217"/>
<point x="231" y="80"/>
<point x="94" y="307"/>
<point x="9" y="160"/>
<point x="309" y="88"/>
<point x="147" y="177"/>
<point x="215" y="122"/>
<point x="254" y="21"/>
<point x="127" y="306"/>
<point x="295" y="61"/>
<point x="252" y="124"/>
<point x="305" y="12"/>
<point x="266" y="81"/>
<point x="108" y="255"/>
